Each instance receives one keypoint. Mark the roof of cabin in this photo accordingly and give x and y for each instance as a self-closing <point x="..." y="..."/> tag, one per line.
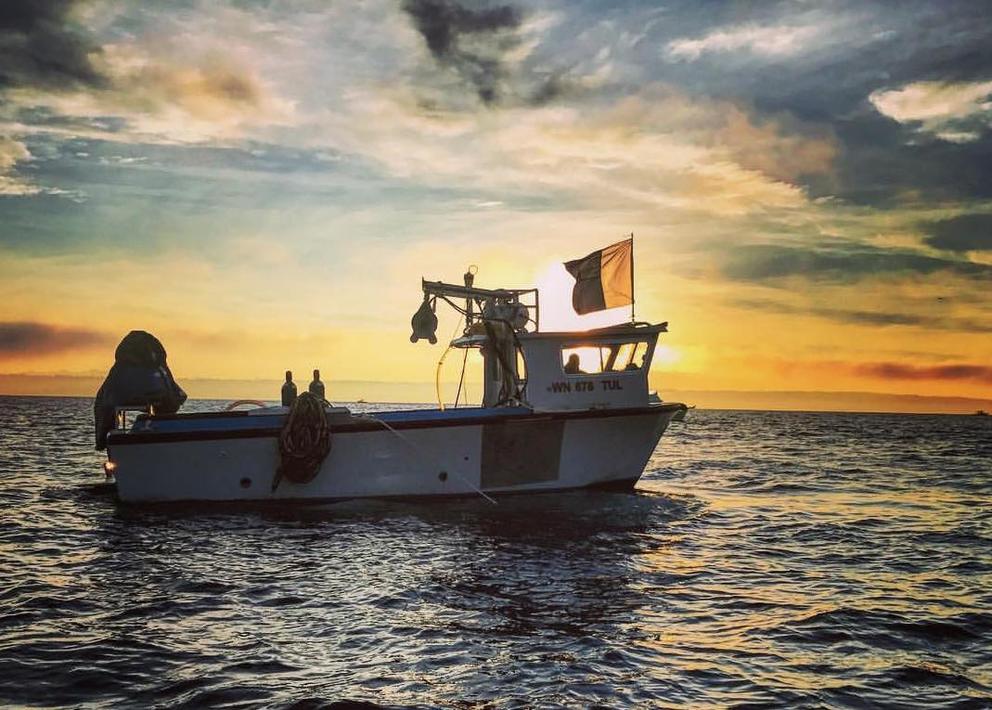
<point x="625" y="330"/>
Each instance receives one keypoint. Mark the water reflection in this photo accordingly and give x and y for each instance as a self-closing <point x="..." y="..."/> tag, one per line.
<point x="783" y="559"/>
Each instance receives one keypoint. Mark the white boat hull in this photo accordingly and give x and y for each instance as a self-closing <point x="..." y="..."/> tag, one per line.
<point x="535" y="453"/>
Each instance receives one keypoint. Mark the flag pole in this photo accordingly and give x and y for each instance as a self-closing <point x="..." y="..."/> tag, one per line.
<point x="632" y="320"/>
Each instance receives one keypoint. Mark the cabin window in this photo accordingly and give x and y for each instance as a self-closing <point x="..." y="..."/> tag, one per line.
<point x="626" y="356"/>
<point x="595" y="359"/>
<point x="582" y="360"/>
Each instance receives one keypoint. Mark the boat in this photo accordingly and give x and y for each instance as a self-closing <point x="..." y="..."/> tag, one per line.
<point x="981" y="413"/>
<point x="559" y="411"/>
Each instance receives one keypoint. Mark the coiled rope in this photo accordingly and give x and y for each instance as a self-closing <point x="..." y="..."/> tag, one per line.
<point x="304" y="442"/>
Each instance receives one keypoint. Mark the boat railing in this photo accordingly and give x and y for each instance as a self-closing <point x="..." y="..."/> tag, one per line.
<point x="120" y="414"/>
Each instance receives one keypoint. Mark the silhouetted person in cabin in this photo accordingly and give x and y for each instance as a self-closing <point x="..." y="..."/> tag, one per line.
<point x="289" y="390"/>
<point x="572" y="366"/>
<point x="316" y="387"/>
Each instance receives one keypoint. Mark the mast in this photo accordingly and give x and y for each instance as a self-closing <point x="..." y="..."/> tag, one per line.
<point x="469" y="303"/>
<point x="632" y="319"/>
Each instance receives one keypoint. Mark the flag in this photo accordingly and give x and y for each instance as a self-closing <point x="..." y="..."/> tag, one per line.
<point x="604" y="279"/>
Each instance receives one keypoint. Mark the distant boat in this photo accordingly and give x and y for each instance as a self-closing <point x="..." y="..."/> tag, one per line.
<point x="981" y="413"/>
<point x="549" y="420"/>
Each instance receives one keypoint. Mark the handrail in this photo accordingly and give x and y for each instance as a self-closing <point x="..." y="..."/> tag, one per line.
<point x="237" y="403"/>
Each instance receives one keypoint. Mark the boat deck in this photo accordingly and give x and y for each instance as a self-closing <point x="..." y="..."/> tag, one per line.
<point x="272" y="418"/>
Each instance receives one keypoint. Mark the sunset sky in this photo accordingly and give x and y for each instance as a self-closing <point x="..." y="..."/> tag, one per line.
<point x="263" y="184"/>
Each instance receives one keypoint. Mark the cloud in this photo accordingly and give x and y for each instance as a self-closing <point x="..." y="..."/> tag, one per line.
<point x="901" y="371"/>
<point x="150" y="74"/>
<point x="933" y="101"/>
<point x="861" y="50"/>
<point x="469" y="40"/>
<point x="843" y="263"/>
<point x="30" y="338"/>
<point x="153" y="98"/>
<point x="656" y="148"/>
<point x="42" y="47"/>
<point x="11" y="153"/>
<point x="881" y="319"/>
<point x="578" y="138"/>
<point x="883" y="163"/>
<point x="966" y="232"/>
<point x="769" y="41"/>
<point x="778" y="146"/>
<point x="955" y="112"/>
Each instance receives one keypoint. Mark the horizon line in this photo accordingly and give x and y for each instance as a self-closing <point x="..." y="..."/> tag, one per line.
<point x="839" y="401"/>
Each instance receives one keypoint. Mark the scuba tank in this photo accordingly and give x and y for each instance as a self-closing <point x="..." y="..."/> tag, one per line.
<point x="316" y="387"/>
<point x="288" y="390"/>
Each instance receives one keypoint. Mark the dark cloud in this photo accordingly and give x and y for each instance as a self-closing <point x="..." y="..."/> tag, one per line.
<point x="469" y="40"/>
<point x="876" y="318"/>
<point x="885" y="163"/>
<point x="844" y="264"/>
<point x="901" y="371"/>
<point x="965" y="232"/>
<point x="916" y="40"/>
<point x="40" y="47"/>
<point x="28" y="338"/>
<point x="552" y="88"/>
<point x="856" y="49"/>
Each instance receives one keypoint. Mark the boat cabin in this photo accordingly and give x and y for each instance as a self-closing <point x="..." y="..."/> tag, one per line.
<point x="605" y="368"/>
<point x="557" y="371"/>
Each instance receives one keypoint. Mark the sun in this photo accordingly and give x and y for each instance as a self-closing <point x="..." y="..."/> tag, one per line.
<point x="555" y="287"/>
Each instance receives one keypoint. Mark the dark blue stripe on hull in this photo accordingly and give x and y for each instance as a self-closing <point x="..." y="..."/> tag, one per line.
<point x="369" y="424"/>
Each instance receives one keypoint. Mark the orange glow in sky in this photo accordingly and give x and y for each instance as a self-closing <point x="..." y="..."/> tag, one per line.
<point x="201" y="174"/>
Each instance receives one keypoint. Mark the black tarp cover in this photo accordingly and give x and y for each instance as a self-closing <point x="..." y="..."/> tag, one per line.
<point x="140" y="377"/>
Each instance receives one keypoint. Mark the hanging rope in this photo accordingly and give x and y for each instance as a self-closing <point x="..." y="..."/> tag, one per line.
<point x="304" y="442"/>
<point x="461" y="379"/>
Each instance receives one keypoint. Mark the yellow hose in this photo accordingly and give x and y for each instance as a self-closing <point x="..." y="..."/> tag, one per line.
<point x="437" y="373"/>
<point x="437" y="378"/>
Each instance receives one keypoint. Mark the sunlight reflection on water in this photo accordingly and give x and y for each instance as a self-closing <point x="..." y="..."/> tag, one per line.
<point x="784" y="558"/>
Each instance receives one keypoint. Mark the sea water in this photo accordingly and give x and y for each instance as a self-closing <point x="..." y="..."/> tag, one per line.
<point x="779" y="559"/>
